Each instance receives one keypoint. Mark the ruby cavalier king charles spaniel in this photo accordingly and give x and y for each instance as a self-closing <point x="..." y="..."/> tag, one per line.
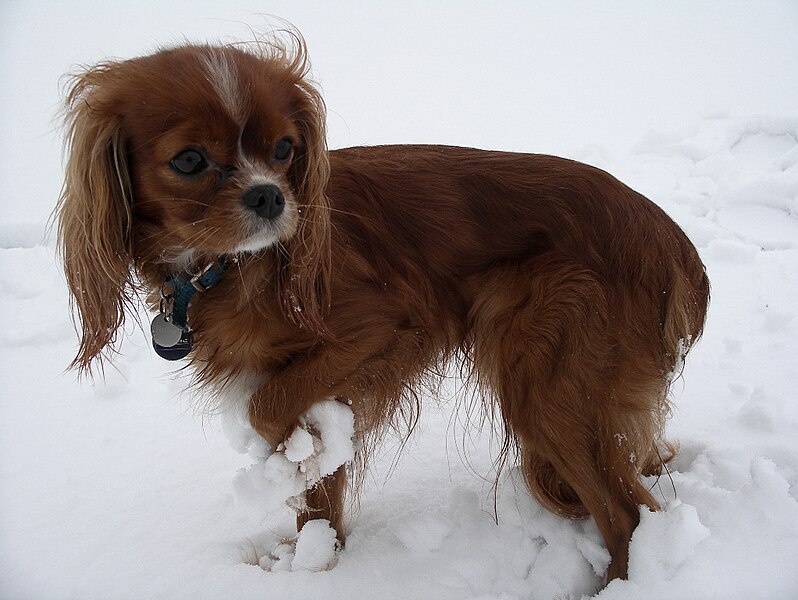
<point x="200" y="177"/>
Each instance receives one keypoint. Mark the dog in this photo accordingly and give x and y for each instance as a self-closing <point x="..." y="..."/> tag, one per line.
<point x="569" y="300"/>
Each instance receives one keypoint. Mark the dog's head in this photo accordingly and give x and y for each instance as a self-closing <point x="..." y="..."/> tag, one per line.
<point x="177" y="158"/>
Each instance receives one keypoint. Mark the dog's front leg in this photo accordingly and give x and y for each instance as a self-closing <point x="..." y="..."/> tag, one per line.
<point x="293" y="412"/>
<point x="325" y="500"/>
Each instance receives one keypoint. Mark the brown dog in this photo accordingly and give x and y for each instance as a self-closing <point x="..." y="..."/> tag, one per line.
<point x="357" y="273"/>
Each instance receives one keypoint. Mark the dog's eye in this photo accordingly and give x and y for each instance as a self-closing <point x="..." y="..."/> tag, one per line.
<point x="189" y="162"/>
<point x="282" y="151"/>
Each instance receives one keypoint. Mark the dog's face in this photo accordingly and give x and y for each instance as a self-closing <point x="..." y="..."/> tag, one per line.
<point x="212" y="143"/>
<point x="182" y="156"/>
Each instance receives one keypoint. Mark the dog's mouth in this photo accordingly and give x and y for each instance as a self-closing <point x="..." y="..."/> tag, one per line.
<point x="269" y="216"/>
<point x="252" y="235"/>
<point x="257" y="241"/>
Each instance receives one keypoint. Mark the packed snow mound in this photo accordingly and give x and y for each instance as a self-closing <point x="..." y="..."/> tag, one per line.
<point x="726" y="178"/>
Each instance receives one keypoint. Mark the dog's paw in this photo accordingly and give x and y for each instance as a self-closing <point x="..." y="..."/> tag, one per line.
<point x="315" y="548"/>
<point x="280" y="558"/>
<point x="267" y="551"/>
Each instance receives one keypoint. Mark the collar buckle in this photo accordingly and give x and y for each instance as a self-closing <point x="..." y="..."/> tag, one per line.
<point x="200" y="281"/>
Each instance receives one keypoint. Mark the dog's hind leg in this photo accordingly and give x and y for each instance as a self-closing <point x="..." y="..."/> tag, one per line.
<point x="580" y="407"/>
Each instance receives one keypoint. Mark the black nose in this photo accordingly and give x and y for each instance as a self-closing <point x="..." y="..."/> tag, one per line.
<point x="266" y="200"/>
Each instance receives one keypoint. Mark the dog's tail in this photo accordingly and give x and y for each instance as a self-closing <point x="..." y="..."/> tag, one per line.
<point x="684" y="309"/>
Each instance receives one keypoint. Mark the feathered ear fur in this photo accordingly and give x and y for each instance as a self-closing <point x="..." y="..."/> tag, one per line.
<point x="94" y="216"/>
<point x="306" y="280"/>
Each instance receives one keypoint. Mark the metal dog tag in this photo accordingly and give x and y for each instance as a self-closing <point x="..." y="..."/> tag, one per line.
<point x="176" y="352"/>
<point x="169" y="341"/>
<point x="165" y="333"/>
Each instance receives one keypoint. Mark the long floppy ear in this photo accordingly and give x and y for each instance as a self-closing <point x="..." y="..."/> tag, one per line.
<point x="306" y="289"/>
<point x="94" y="216"/>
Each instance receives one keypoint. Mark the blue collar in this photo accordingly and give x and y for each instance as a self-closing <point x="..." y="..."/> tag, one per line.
<point x="184" y="285"/>
<point x="171" y="334"/>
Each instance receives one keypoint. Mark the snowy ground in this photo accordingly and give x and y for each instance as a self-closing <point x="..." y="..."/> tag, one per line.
<point x="120" y="489"/>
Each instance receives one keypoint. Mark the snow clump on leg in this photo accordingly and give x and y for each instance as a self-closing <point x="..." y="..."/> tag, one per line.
<point x="321" y="444"/>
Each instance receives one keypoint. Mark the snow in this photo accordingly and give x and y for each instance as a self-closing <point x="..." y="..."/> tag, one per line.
<point x="316" y="547"/>
<point x="299" y="445"/>
<point x="335" y="425"/>
<point x="665" y="541"/>
<point x="128" y="487"/>
<point x="321" y="443"/>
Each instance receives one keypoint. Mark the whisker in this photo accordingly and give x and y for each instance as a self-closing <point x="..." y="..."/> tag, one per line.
<point x="282" y="250"/>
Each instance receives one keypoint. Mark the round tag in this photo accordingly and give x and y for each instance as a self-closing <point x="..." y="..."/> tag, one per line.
<point x="165" y="333"/>
<point x="176" y="352"/>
